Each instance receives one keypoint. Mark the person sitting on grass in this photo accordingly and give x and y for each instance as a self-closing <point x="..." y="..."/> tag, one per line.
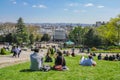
<point x="110" y="58"/>
<point x="36" y="60"/>
<point x="117" y="56"/>
<point x="73" y="52"/>
<point x="60" y="63"/>
<point x="47" y="57"/>
<point x="87" y="61"/>
<point x="67" y="53"/>
<point x="106" y="57"/>
<point x="99" y="57"/>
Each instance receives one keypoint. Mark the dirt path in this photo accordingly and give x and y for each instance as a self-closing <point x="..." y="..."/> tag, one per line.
<point x="7" y="60"/>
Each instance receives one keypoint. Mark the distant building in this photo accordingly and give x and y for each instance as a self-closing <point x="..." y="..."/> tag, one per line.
<point x="59" y="35"/>
<point x="46" y="31"/>
<point x="99" y="23"/>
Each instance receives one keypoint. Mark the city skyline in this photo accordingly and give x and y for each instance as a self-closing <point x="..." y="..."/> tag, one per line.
<point x="59" y="11"/>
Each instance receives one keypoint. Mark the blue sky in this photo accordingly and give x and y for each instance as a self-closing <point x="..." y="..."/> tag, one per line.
<point x="59" y="11"/>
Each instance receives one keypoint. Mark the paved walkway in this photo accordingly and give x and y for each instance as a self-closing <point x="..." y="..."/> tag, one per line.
<point x="7" y="60"/>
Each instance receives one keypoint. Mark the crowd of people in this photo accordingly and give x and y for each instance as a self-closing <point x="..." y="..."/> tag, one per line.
<point x="37" y="60"/>
<point x="16" y="50"/>
<point x="109" y="57"/>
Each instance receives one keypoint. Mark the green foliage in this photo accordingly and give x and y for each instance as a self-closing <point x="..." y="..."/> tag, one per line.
<point x="75" y="72"/>
<point x="21" y="35"/>
<point x="38" y="38"/>
<point x="107" y="51"/>
<point x="52" y="51"/>
<point x="91" y="39"/>
<point x="93" y="49"/>
<point x="4" y="52"/>
<point x="20" y="25"/>
<point x="31" y="38"/>
<point x="109" y="32"/>
<point x="1" y="38"/>
<point x="77" y="35"/>
<point x="105" y="35"/>
<point x="45" y="37"/>
<point x="9" y="38"/>
<point x="113" y="47"/>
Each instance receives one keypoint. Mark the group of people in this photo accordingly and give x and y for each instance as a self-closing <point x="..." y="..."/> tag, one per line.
<point x="37" y="61"/>
<point x="67" y="53"/>
<point x="110" y="57"/>
<point x="16" y="50"/>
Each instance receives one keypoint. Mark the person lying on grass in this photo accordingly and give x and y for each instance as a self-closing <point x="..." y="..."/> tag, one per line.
<point x="87" y="61"/>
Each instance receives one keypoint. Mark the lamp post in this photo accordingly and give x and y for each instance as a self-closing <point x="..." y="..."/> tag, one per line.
<point x="118" y="26"/>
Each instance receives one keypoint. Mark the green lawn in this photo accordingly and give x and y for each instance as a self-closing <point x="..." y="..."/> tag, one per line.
<point x="105" y="70"/>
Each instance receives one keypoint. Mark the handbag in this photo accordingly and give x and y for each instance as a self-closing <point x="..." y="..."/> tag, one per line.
<point x="58" y="67"/>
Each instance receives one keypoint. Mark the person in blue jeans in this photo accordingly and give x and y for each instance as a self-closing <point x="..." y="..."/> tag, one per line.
<point x="87" y="61"/>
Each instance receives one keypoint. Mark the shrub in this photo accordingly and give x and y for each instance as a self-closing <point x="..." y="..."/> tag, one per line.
<point x="113" y="47"/>
<point x="93" y="49"/>
<point x="4" y="52"/>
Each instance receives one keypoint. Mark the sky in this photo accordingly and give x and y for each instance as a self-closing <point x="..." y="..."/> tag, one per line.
<point x="59" y="11"/>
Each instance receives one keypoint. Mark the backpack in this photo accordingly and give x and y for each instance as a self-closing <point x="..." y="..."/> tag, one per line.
<point x="46" y="68"/>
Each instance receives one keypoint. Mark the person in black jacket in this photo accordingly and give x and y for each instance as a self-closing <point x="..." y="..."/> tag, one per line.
<point x="47" y="57"/>
<point x="99" y="57"/>
<point x="106" y="57"/>
<point x="60" y="60"/>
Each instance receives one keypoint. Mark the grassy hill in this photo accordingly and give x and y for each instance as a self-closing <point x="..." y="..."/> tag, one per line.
<point x="105" y="70"/>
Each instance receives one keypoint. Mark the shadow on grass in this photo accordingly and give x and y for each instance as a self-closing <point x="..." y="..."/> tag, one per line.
<point x="27" y="70"/>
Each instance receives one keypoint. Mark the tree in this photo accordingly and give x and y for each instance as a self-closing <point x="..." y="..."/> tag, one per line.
<point x="32" y="39"/>
<point x="77" y="35"/>
<point x="45" y="37"/>
<point x="91" y="39"/>
<point x="21" y="32"/>
<point x="9" y="38"/>
<point x="34" y="32"/>
<point x="7" y="28"/>
<point x="109" y="32"/>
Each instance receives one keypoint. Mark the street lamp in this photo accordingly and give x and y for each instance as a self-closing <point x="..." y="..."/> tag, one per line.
<point x="118" y="26"/>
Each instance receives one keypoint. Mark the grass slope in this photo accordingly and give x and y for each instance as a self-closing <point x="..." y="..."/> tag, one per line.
<point x="105" y="70"/>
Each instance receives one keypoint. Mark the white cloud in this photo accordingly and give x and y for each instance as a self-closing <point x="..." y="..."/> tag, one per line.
<point x="65" y="9"/>
<point x="42" y="6"/>
<point x="89" y="5"/>
<point x="73" y="4"/>
<point x="100" y="6"/>
<point x="39" y="6"/>
<point x="25" y="3"/>
<point x="14" y="2"/>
